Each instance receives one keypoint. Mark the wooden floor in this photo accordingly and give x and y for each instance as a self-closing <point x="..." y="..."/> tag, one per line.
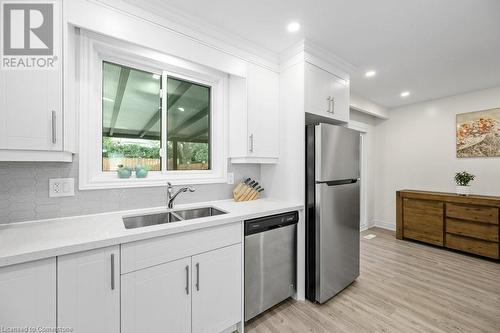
<point x="403" y="287"/>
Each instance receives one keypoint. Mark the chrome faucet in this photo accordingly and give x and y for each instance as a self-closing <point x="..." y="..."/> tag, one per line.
<point x="171" y="197"/>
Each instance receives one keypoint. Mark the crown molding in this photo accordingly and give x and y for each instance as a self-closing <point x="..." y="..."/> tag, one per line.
<point x="309" y="51"/>
<point x="202" y="32"/>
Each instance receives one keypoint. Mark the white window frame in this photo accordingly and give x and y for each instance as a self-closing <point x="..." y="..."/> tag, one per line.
<point x="93" y="50"/>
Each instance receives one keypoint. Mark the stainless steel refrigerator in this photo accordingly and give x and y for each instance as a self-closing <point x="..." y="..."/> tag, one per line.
<point x="332" y="210"/>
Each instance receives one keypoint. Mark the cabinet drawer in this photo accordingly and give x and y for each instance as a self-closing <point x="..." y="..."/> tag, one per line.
<point x="482" y="231"/>
<point x="471" y="245"/>
<point x="423" y="221"/>
<point x="159" y="250"/>
<point x="472" y="213"/>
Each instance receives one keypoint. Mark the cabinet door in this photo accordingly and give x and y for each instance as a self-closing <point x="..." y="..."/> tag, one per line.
<point x="31" y="102"/>
<point x="217" y="289"/>
<point x="88" y="291"/>
<point x="340" y="92"/>
<point x="326" y="95"/>
<point x="157" y="299"/>
<point x="423" y="220"/>
<point x="28" y="294"/>
<point x="263" y="112"/>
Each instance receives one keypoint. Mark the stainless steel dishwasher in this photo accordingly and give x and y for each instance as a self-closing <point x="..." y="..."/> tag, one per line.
<point x="270" y="261"/>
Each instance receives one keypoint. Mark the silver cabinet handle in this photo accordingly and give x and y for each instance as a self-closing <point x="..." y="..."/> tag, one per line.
<point x="332" y="102"/>
<point x="112" y="272"/>
<point x="329" y="99"/>
<point x="251" y="143"/>
<point x="198" y="276"/>
<point x="54" y="127"/>
<point x="187" y="280"/>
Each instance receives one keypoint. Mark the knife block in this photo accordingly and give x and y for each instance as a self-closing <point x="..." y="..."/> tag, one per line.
<point x="243" y="192"/>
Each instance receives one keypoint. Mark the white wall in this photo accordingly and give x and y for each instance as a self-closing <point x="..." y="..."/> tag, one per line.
<point x="415" y="149"/>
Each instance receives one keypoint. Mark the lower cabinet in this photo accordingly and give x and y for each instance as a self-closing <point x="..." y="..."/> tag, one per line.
<point x="202" y="293"/>
<point x="88" y="291"/>
<point x="192" y="282"/>
<point x="158" y="298"/>
<point x="28" y="295"/>
<point x="217" y="289"/>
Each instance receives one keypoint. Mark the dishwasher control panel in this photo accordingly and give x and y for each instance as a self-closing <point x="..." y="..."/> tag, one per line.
<point x="270" y="222"/>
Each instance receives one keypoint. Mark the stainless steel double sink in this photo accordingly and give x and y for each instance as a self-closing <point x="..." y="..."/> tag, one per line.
<point x="139" y="221"/>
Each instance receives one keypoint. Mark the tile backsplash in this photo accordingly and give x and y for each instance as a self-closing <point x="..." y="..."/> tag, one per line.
<point x="24" y="192"/>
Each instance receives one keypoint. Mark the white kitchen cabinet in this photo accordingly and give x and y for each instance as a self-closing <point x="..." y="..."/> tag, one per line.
<point x="157" y="298"/>
<point x="88" y="291"/>
<point x="326" y="95"/>
<point x="254" y="116"/>
<point x="31" y="108"/>
<point x="216" y="289"/>
<point x="195" y="294"/>
<point x="188" y="285"/>
<point x="28" y="294"/>
<point x="31" y="105"/>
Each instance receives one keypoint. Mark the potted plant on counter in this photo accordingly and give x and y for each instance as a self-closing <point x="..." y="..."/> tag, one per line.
<point x="462" y="179"/>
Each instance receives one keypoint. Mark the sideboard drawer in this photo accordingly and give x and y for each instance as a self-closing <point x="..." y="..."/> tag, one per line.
<point x="472" y="213"/>
<point x="484" y="231"/>
<point x="471" y="245"/>
<point x="423" y="221"/>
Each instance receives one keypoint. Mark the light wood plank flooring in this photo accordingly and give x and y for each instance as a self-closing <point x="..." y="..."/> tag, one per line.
<point x="403" y="287"/>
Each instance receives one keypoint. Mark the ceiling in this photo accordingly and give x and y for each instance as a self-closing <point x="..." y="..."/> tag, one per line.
<point x="432" y="48"/>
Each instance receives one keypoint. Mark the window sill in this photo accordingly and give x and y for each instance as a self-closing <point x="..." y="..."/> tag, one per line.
<point x="111" y="180"/>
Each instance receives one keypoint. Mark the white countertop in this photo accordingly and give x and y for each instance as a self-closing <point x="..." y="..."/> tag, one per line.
<point x="28" y="241"/>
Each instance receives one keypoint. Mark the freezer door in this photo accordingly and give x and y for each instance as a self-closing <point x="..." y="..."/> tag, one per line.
<point x="336" y="153"/>
<point x="337" y="238"/>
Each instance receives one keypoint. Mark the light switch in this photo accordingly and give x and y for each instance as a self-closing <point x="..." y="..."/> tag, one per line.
<point x="61" y="187"/>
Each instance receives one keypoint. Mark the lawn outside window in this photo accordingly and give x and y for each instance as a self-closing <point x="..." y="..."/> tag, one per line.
<point x="139" y="107"/>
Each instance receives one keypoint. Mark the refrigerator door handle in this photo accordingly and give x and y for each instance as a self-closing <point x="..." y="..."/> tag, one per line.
<point x="339" y="182"/>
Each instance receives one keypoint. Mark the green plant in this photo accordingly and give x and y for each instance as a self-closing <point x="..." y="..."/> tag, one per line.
<point x="463" y="178"/>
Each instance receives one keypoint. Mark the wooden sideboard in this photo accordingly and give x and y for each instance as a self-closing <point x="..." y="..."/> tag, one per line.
<point x="465" y="223"/>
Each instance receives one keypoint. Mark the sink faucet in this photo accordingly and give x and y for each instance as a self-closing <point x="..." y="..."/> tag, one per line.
<point x="171" y="197"/>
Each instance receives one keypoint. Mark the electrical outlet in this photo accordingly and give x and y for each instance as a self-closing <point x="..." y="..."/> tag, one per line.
<point x="61" y="187"/>
<point x="230" y="178"/>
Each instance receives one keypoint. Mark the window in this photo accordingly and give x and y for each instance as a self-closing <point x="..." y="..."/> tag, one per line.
<point x="131" y="118"/>
<point x="139" y="107"/>
<point x="188" y="119"/>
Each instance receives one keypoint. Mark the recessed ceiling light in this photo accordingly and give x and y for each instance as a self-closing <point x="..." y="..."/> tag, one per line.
<point x="180" y="109"/>
<point x="370" y="74"/>
<point x="293" y="27"/>
<point x="405" y="94"/>
<point x="156" y="76"/>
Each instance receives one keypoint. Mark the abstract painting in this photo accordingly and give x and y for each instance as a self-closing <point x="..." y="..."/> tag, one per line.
<point x="478" y="134"/>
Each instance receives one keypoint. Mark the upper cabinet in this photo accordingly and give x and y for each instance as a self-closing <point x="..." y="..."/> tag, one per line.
<point x="254" y="116"/>
<point x="31" y="81"/>
<point x="326" y="94"/>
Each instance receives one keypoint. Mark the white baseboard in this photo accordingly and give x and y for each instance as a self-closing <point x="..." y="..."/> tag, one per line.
<point x="384" y="225"/>
<point x="364" y="227"/>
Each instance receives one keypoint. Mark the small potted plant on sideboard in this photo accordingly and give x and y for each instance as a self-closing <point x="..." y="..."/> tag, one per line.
<point x="462" y="179"/>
